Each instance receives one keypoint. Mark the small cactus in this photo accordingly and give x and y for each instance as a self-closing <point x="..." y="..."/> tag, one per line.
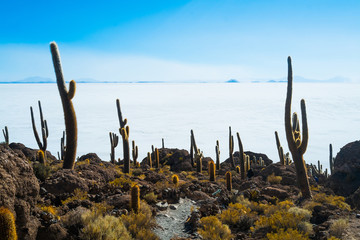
<point x="331" y="159"/>
<point x="149" y="160"/>
<point x="212" y="171"/>
<point x="114" y="140"/>
<point x="135" y="153"/>
<point x="198" y="157"/>
<point x="135" y="199"/>
<point x="7" y="225"/>
<point x="6" y="135"/>
<point x="193" y="148"/>
<point x="237" y="169"/>
<point x="228" y="181"/>
<point x="175" y="179"/>
<point x="40" y="156"/>
<point x="162" y="143"/>
<point x="157" y="158"/>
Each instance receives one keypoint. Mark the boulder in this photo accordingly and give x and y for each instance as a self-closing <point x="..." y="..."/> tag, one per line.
<point x="346" y="177"/>
<point x="19" y="191"/>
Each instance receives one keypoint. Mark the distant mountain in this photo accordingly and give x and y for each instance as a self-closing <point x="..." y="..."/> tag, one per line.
<point x="300" y="79"/>
<point x="232" y="81"/>
<point x="35" y="79"/>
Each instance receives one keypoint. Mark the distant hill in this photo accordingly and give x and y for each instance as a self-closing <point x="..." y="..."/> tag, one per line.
<point x="232" y="81"/>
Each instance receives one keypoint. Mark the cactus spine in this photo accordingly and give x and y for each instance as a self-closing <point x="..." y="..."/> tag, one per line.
<point x="217" y="151"/>
<point x="7" y="225"/>
<point x="231" y="148"/>
<point x="125" y="136"/>
<point x="331" y="159"/>
<point x="212" y="171"/>
<point x="157" y="158"/>
<point x="149" y="160"/>
<point x="69" y="112"/>
<point x="175" y="179"/>
<point x="242" y="159"/>
<point x="6" y="135"/>
<point x="135" y="198"/>
<point x="44" y="130"/>
<point x="297" y="145"/>
<point x="114" y="140"/>
<point x="135" y="153"/>
<point x="228" y="181"/>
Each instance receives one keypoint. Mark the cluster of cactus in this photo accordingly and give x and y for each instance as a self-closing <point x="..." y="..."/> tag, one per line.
<point x="316" y="171"/>
<point x="114" y="140"/>
<point x="6" y="135"/>
<point x="135" y="198"/>
<point x="247" y="162"/>
<point x="195" y="154"/>
<point x="44" y="131"/>
<point x="297" y="144"/>
<point x="135" y="153"/>
<point x="69" y="111"/>
<point x="284" y="158"/>
<point x="7" y="225"/>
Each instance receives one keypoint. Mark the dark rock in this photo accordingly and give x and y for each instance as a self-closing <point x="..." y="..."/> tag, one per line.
<point x="275" y="192"/>
<point x="320" y="214"/>
<point x="173" y="207"/>
<point x="346" y="177"/>
<point x="286" y="172"/>
<point x="19" y="191"/>
<point x="93" y="157"/>
<point x="162" y="206"/>
<point x="198" y="195"/>
<point x="52" y="232"/>
<point x="209" y="207"/>
<point x="119" y="201"/>
<point x="354" y="199"/>
<point x="171" y="195"/>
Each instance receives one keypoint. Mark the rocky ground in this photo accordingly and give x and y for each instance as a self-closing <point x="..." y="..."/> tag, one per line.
<point x="54" y="203"/>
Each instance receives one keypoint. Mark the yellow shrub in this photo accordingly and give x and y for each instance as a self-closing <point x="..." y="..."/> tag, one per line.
<point x="78" y="195"/>
<point x="254" y="206"/>
<point x="85" y="162"/>
<point x="121" y="182"/>
<point x="289" y="234"/>
<point x="99" y="227"/>
<point x="50" y="209"/>
<point x="337" y="201"/>
<point x="141" y="221"/>
<point x="274" y="179"/>
<point x="213" y="229"/>
<point x="231" y="216"/>
<point x="338" y="227"/>
<point x="150" y="197"/>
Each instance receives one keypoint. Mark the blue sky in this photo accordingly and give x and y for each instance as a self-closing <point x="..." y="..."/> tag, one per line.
<point x="200" y="40"/>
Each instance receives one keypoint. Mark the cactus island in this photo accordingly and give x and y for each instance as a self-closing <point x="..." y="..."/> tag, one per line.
<point x="175" y="193"/>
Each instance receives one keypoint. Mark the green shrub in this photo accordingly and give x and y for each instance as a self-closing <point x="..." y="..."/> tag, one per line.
<point x="41" y="171"/>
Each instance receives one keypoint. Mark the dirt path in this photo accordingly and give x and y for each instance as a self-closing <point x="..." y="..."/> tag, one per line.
<point x="171" y="221"/>
<point x="353" y="230"/>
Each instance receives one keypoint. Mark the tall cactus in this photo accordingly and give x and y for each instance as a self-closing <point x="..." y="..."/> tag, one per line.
<point x="125" y="137"/>
<point x="7" y="225"/>
<point x="114" y="140"/>
<point x="44" y="130"/>
<point x="212" y="171"/>
<point x="217" y="151"/>
<point x="162" y="143"/>
<point x="121" y="120"/>
<point x="6" y="135"/>
<point x="149" y="159"/>
<point x="331" y="159"/>
<point x="242" y="159"/>
<point x="69" y="112"/>
<point x="297" y="145"/>
<point x="198" y="158"/>
<point x="231" y="148"/>
<point x="228" y="181"/>
<point x="135" y="152"/>
<point x="279" y="149"/>
<point x="193" y="148"/>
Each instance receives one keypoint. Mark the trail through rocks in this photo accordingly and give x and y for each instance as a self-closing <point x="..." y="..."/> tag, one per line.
<point x="171" y="221"/>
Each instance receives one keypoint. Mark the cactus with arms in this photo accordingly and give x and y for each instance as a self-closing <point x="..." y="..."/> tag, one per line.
<point x="297" y="145"/>
<point x="135" y="153"/>
<point x="69" y="112"/>
<point x="114" y="140"/>
<point x="6" y="135"/>
<point x="44" y="130"/>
